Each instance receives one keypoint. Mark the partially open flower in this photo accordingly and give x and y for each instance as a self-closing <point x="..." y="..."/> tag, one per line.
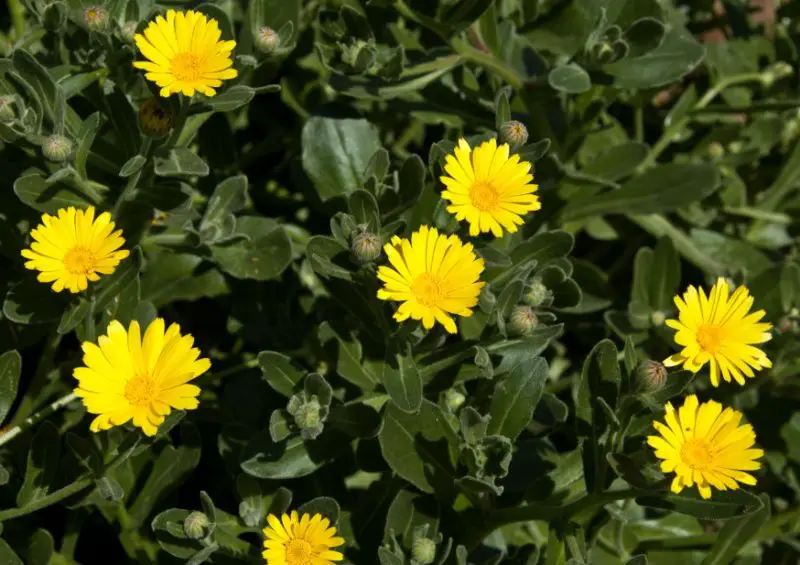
<point x="267" y="40"/>
<point x="95" y="18"/>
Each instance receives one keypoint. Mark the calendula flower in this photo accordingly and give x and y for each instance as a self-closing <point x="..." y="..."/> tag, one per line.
<point x="719" y="330"/>
<point x="488" y="188"/>
<point x="74" y="247"/>
<point x="433" y="275"/>
<point x="185" y="53"/>
<point x="126" y="377"/>
<point x="305" y="540"/>
<point x="706" y="446"/>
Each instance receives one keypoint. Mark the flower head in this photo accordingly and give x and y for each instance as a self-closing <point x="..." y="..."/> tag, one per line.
<point x="488" y="188"/>
<point x="267" y="39"/>
<point x="95" y="18"/>
<point x="704" y="445"/>
<point x="303" y="540"/>
<point x="129" y="377"/>
<point x="185" y="53"/>
<point x="73" y="248"/>
<point x="719" y="330"/>
<point x="57" y="148"/>
<point x="433" y="275"/>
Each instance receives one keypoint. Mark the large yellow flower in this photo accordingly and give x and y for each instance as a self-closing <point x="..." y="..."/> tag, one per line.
<point x="705" y="446"/>
<point x="305" y="540"/>
<point x="73" y="248"/>
<point x="433" y="275"/>
<point x="185" y="53"/>
<point x="126" y="377"/>
<point x="717" y="329"/>
<point x="488" y="188"/>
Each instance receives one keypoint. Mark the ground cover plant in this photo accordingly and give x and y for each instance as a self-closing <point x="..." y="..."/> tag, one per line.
<point x="400" y="282"/>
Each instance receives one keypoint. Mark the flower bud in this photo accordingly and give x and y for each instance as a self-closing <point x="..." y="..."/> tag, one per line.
<point x="657" y="318"/>
<point x="155" y="120"/>
<point x="267" y="40"/>
<point x="650" y="376"/>
<point x="537" y="293"/>
<point x="196" y="525"/>
<point x="7" y="113"/>
<point x="57" y="148"/>
<point x="366" y="246"/>
<point x="128" y="30"/>
<point x="453" y="399"/>
<point x="776" y="72"/>
<point x="95" y="18"/>
<point x="423" y="551"/>
<point x="307" y="416"/>
<point x="715" y="150"/>
<point x="514" y="133"/>
<point x="522" y="320"/>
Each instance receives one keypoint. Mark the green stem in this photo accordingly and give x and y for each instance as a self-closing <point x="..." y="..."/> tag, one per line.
<point x="659" y="226"/>
<point x="36" y="418"/>
<point x="402" y="8"/>
<point x="180" y="121"/>
<point x="30" y="401"/>
<point x="17" y="12"/>
<point x="488" y="61"/>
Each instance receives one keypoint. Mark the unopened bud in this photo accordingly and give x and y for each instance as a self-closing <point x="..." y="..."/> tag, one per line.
<point x="514" y="133"/>
<point x="650" y="376"/>
<point x="776" y="72"/>
<point x="154" y="119"/>
<point x="537" y="293"/>
<point x="453" y="399"/>
<point x="128" y="30"/>
<point x="657" y="318"/>
<point x="7" y="113"/>
<point x="57" y="148"/>
<point x="604" y="53"/>
<point x="267" y="40"/>
<point x="366" y="246"/>
<point x="522" y="320"/>
<point x="423" y="551"/>
<point x="307" y="415"/>
<point x="196" y="525"/>
<point x="95" y="18"/>
<point x="715" y="150"/>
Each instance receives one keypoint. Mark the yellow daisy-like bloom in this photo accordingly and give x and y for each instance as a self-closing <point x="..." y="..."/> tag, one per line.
<point x="488" y="188"/>
<point x="305" y="540"/>
<point x="185" y="53"/>
<point x="126" y="377"/>
<point x="717" y="329"/>
<point x="705" y="446"/>
<point x="74" y="247"/>
<point x="433" y="275"/>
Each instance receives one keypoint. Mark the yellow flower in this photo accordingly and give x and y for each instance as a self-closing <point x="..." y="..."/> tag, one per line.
<point x="185" y="53"/>
<point x="718" y="330"/>
<point x="126" y="377"/>
<point x="306" y="540"/>
<point x="73" y="248"/>
<point x="704" y="445"/>
<point x="433" y="275"/>
<point x="488" y="188"/>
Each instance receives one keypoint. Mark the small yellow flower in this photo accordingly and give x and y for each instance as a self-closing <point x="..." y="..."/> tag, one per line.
<point x="488" y="188"/>
<point x="126" y="377"/>
<point x="305" y="540"/>
<point x="433" y="275"/>
<point x="185" y="53"/>
<point x="705" y="446"/>
<point x="717" y="329"/>
<point x="73" y="248"/>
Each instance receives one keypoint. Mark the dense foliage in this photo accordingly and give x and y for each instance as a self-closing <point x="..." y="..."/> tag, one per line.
<point x="499" y="414"/>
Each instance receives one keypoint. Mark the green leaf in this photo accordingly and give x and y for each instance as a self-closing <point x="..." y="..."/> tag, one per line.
<point x="264" y="256"/>
<point x="461" y="14"/>
<point x="402" y="381"/>
<point x="736" y="533"/>
<point x="132" y="166"/>
<point x="348" y="363"/>
<point x="357" y="420"/>
<point x="171" y="277"/>
<point x="294" y="458"/>
<point x="41" y="472"/>
<point x="37" y="77"/>
<point x="676" y="57"/>
<point x="637" y="560"/>
<point x="274" y="13"/>
<point x="204" y="554"/>
<point x="407" y="512"/>
<point x="180" y="162"/>
<point x="229" y="196"/>
<point x="40" y="548"/>
<point x="676" y="383"/>
<point x="543" y="247"/>
<point x="32" y="302"/>
<point x="33" y="189"/>
<point x="7" y="555"/>
<point x="233" y="98"/>
<point x="664" y="275"/>
<point x="120" y="282"/>
<point x="735" y="254"/>
<point x="411" y="180"/>
<point x="570" y="79"/>
<point x="502" y="109"/>
<point x="85" y="139"/>
<point x="721" y="506"/>
<point x="168" y="529"/>
<point x="617" y="162"/>
<point x="660" y="189"/>
<point x="324" y="505"/>
<point x="321" y="250"/>
<point x="10" y="370"/>
<point x="405" y="442"/>
<point x="336" y="153"/>
<point x="279" y="372"/>
<point x="515" y="397"/>
<point x="643" y="36"/>
<point x="534" y="151"/>
<point x="364" y="208"/>
<point x="73" y="315"/>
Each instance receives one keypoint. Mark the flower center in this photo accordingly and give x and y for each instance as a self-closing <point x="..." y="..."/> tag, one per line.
<point x="187" y="67"/>
<point x="79" y="260"/>
<point x="299" y="552"/>
<point x="709" y="337"/>
<point x="140" y="390"/>
<point x="696" y="453"/>
<point x="427" y="289"/>
<point x="483" y="195"/>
